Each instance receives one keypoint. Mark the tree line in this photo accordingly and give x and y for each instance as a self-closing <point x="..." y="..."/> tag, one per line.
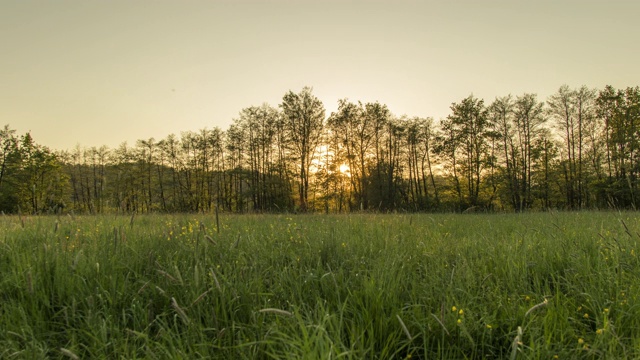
<point x="579" y="149"/>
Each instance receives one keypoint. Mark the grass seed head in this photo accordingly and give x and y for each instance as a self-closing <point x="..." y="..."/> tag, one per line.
<point x="404" y="328"/>
<point x="199" y="298"/>
<point x="68" y="353"/>
<point x="275" y="311"/>
<point x="215" y="279"/>
<point x="537" y="306"/>
<point x="180" y="312"/>
<point x="167" y="275"/>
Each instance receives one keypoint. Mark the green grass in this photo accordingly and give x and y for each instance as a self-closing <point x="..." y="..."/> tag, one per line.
<point x="525" y="286"/>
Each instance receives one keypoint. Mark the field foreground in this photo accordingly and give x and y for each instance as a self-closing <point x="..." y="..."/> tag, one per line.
<point x="534" y="286"/>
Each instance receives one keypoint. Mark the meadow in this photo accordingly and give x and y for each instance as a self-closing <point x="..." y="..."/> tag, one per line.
<point x="364" y="286"/>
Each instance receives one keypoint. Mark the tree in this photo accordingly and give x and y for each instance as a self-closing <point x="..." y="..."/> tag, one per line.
<point x="146" y="157"/>
<point x="36" y="181"/>
<point x="529" y="119"/>
<point x="304" y="121"/>
<point x="620" y="112"/>
<point x="256" y="130"/>
<point x="463" y="141"/>
<point x="573" y="111"/>
<point x="501" y="113"/>
<point x="350" y="126"/>
<point x="419" y="137"/>
<point x="10" y="162"/>
<point x="386" y="133"/>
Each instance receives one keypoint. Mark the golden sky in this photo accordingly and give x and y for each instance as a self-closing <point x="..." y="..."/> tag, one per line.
<point x="104" y="72"/>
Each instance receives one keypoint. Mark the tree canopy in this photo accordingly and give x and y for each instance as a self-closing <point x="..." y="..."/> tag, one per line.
<point x="579" y="149"/>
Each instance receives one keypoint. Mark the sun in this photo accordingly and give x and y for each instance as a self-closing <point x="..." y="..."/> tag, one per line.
<point x="324" y="160"/>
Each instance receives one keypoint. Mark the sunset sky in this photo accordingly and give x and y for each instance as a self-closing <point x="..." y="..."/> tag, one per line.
<point x="104" y="72"/>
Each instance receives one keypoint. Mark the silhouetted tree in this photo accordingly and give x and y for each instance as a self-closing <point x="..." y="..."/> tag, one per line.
<point x="304" y="122"/>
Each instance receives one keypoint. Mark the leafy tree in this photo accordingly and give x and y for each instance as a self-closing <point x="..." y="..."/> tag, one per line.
<point x="573" y="111"/>
<point x="304" y="121"/>
<point x="529" y="119"/>
<point x="501" y="117"/>
<point x="620" y="112"/>
<point x="257" y="126"/>
<point x="354" y="132"/>
<point x="32" y="179"/>
<point x="419" y="138"/>
<point x="10" y="163"/>
<point x="386" y="135"/>
<point x="464" y="142"/>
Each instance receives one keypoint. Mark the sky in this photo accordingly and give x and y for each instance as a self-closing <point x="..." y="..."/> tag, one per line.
<point x="95" y="73"/>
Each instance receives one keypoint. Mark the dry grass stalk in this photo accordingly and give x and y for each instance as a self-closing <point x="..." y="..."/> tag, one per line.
<point x="180" y="312"/>
<point x="215" y="279"/>
<point x="167" y="275"/>
<point x="626" y="229"/>
<point x="199" y="298"/>
<point x="276" y="311"/>
<point x="16" y="335"/>
<point x="210" y="240"/>
<point x="517" y="341"/>
<point x="68" y="353"/>
<point x="441" y="324"/>
<point x="143" y="287"/>
<point x="404" y="328"/>
<point x="536" y="306"/>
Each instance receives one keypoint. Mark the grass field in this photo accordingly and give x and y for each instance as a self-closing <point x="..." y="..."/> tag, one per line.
<point x="525" y="286"/>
